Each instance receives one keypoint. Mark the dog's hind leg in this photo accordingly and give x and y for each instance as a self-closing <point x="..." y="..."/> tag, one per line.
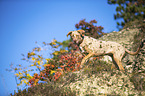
<point x="118" y="62"/>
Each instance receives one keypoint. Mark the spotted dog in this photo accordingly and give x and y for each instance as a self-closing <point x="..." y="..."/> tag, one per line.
<point x="96" y="47"/>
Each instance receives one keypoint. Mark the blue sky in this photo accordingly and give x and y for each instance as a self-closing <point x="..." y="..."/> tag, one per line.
<point x="23" y="22"/>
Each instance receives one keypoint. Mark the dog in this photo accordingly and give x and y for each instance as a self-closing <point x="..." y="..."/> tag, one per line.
<point x="96" y="47"/>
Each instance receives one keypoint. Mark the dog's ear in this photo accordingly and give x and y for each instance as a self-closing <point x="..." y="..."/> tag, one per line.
<point x="69" y="33"/>
<point x="81" y="31"/>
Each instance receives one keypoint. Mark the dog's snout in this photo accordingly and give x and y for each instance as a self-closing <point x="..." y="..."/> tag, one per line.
<point x="75" y="41"/>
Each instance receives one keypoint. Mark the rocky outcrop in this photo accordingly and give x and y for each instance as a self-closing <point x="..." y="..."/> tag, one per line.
<point x="116" y="82"/>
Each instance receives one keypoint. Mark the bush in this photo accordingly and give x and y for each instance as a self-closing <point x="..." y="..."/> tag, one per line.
<point x="45" y="90"/>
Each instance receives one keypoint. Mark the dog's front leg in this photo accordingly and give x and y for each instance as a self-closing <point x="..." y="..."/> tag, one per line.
<point x="85" y="58"/>
<point x="82" y="50"/>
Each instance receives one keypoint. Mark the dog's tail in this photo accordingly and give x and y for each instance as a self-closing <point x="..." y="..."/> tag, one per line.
<point x="138" y="49"/>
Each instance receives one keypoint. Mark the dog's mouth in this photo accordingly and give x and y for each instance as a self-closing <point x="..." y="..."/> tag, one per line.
<point x="77" y="42"/>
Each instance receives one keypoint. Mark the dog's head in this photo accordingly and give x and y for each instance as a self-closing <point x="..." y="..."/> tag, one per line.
<point x="77" y="36"/>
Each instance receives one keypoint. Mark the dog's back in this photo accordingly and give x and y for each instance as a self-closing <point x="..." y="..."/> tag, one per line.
<point x="90" y="44"/>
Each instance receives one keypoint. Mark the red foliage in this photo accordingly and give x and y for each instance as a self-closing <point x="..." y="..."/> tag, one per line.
<point x="68" y="62"/>
<point x="90" y="28"/>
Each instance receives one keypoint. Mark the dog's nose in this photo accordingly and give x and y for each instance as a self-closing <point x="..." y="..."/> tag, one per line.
<point x="75" y="41"/>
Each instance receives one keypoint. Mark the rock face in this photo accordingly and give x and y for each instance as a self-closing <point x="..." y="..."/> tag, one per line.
<point x="124" y="37"/>
<point x="116" y="82"/>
